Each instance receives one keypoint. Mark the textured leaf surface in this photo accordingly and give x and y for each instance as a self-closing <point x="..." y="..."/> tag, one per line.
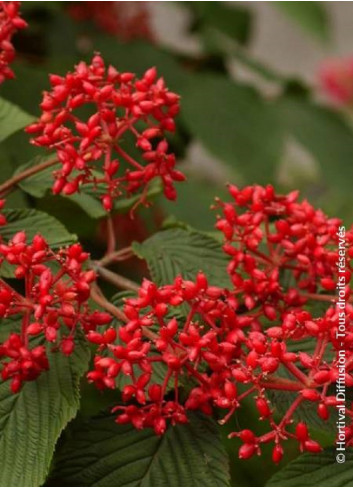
<point x="33" y="222"/>
<point x="319" y="470"/>
<point x="32" y="420"/>
<point x="102" y="453"/>
<point x="12" y="119"/>
<point x="180" y="251"/>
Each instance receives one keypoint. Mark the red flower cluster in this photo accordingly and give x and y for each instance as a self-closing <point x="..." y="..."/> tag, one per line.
<point x="282" y="251"/>
<point x="125" y="20"/>
<point x="285" y="256"/>
<point x="120" y="105"/>
<point x="245" y="342"/>
<point x="54" y="304"/>
<point x="10" y="22"/>
<point x="155" y="340"/>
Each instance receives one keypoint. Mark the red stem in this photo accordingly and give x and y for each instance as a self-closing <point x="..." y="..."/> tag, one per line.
<point x="279" y="383"/>
<point x="297" y="373"/>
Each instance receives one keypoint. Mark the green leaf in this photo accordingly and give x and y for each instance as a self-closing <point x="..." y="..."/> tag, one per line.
<point x="219" y="18"/>
<point x="102" y="453"/>
<point x="235" y="124"/>
<point x="325" y="134"/>
<point x="27" y="95"/>
<point x="316" y="470"/>
<point x="258" y="67"/>
<point x="195" y="212"/>
<point x="12" y="119"/>
<point x="41" y="183"/>
<point x="312" y="17"/>
<point x="36" y="222"/>
<point x="186" y="252"/>
<point x="32" y="420"/>
<point x="33" y="222"/>
<point x="8" y="325"/>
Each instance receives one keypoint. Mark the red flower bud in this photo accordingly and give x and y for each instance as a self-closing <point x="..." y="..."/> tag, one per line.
<point x="312" y="446"/>
<point x="247" y="451"/>
<point x="277" y="453"/>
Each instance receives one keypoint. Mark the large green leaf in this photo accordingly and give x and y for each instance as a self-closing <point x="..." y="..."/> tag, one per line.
<point x="325" y="134"/>
<point x="36" y="222"/>
<point x="12" y="119"/>
<point x="235" y="124"/>
<point x="32" y="420"/>
<point x="311" y="16"/>
<point x="186" y="252"/>
<point x="317" y="470"/>
<point x="102" y="453"/>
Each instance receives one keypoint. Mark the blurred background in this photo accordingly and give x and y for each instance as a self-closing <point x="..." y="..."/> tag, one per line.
<point x="266" y="89"/>
<point x="267" y="97"/>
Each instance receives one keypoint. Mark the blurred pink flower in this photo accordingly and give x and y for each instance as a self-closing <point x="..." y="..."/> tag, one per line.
<point x="336" y="80"/>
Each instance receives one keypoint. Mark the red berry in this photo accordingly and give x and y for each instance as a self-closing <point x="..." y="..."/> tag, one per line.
<point x="277" y="453"/>
<point x="247" y="451"/>
<point x="301" y="431"/>
<point x="312" y="446"/>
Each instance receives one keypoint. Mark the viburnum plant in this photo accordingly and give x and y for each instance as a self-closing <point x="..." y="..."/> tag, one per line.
<point x="190" y="344"/>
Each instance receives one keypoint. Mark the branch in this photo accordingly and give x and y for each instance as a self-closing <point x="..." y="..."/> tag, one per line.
<point x="98" y="297"/>
<point x="324" y="297"/>
<point x="116" y="279"/>
<point x="12" y="182"/>
<point x="279" y="383"/>
<point x="120" y="255"/>
<point x="294" y="370"/>
<point x="111" y="235"/>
